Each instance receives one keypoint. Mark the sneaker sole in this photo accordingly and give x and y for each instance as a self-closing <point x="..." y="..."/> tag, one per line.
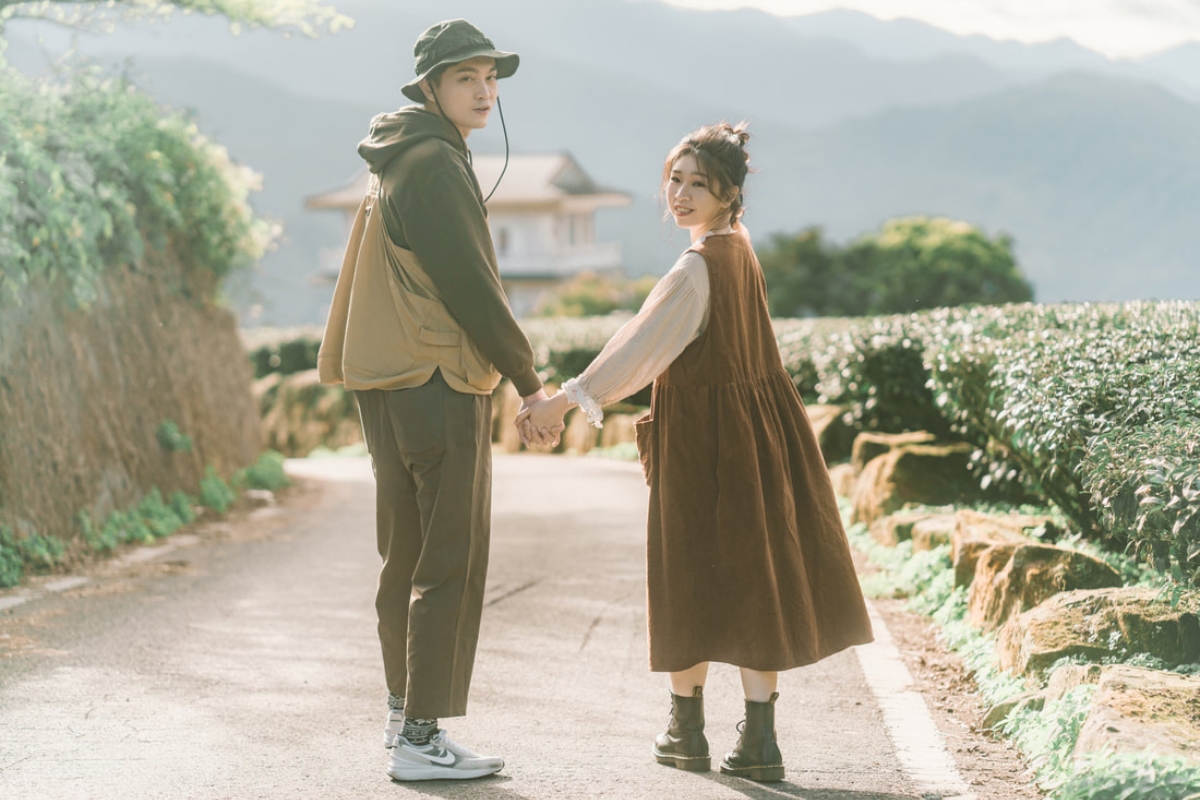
<point x="440" y="773"/>
<point x="762" y="774"/>
<point x="688" y="763"/>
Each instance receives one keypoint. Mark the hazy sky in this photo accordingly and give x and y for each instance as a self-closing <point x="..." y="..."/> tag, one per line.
<point x="1117" y="28"/>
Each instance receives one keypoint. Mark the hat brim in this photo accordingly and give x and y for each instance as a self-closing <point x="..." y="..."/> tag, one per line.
<point x="506" y="65"/>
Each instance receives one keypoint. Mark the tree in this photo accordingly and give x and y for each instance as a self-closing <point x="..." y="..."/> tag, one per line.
<point x="916" y="263"/>
<point x="805" y="277"/>
<point x="912" y="263"/>
<point x="588" y="294"/>
<point x="306" y="17"/>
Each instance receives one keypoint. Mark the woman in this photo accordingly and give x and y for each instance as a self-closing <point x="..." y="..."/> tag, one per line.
<point x="747" y="561"/>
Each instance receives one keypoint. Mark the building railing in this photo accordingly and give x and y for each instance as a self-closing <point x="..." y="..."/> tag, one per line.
<point x="562" y="261"/>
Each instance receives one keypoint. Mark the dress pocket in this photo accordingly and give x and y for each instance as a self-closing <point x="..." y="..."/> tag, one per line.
<point x="643" y="431"/>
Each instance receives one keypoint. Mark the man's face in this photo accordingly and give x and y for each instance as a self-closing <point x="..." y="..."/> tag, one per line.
<point x="465" y="92"/>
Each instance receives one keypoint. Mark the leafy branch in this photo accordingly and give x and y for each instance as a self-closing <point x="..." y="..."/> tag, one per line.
<point x="305" y="17"/>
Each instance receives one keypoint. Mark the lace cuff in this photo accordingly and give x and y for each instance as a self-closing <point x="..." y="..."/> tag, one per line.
<point x="595" y="416"/>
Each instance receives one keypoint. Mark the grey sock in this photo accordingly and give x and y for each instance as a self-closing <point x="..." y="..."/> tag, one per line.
<point x="418" y="731"/>
<point x="395" y="703"/>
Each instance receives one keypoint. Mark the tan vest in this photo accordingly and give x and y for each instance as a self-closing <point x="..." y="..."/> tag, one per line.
<point x="387" y="326"/>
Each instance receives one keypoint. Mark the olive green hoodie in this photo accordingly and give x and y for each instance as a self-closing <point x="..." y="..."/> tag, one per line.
<point x="432" y="205"/>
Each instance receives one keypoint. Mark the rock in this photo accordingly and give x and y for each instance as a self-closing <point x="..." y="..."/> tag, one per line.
<point x="933" y="531"/>
<point x="1012" y="578"/>
<point x="843" y="478"/>
<point x="1099" y="623"/>
<point x="834" y="434"/>
<point x="870" y="445"/>
<point x="1068" y="676"/>
<point x="580" y="436"/>
<point x="1137" y="709"/>
<point x="618" y="429"/>
<point x="896" y="528"/>
<point x="975" y="532"/>
<point x="931" y="475"/>
<point x="995" y="715"/>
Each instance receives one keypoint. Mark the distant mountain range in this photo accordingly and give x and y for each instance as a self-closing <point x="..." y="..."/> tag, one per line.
<point x="1092" y="165"/>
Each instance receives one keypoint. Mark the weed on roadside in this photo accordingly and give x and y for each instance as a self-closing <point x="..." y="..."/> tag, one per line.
<point x="171" y="438"/>
<point x="11" y="565"/>
<point x="1102" y="776"/>
<point x="214" y="492"/>
<point x="266" y="473"/>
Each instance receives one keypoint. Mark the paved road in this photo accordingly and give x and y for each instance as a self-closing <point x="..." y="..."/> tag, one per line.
<point x="241" y="662"/>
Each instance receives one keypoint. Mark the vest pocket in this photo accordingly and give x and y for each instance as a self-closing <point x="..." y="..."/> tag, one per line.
<point x="438" y="338"/>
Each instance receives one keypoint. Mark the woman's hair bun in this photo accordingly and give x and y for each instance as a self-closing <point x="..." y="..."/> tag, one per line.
<point x="739" y="133"/>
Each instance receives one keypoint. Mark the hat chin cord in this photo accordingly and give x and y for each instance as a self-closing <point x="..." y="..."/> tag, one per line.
<point x="503" y="127"/>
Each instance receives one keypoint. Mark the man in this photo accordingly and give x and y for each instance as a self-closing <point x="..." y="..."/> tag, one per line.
<point x="420" y="328"/>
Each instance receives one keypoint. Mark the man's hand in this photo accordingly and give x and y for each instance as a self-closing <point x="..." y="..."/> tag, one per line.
<point x="540" y="419"/>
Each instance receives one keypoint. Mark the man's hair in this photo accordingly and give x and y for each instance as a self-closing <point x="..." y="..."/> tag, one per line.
<point x="435" y="76"/>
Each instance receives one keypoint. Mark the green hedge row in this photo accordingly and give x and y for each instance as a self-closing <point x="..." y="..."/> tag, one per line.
<point x="1095" y="408"/>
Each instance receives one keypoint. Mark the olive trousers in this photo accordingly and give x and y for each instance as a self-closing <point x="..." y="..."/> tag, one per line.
<point x="431" y="453"/>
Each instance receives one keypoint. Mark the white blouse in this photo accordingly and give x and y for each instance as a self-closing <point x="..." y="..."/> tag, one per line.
<point x="673" y="316"/>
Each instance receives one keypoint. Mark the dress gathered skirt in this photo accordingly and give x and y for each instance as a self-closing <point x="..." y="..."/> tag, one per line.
<point x="747" y="561"/>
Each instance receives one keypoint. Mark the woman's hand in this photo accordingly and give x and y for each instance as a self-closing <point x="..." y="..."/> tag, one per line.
<point x="541" y="422"/>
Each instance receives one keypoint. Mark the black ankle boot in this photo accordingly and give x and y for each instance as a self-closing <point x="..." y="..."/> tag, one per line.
<point x="684" y="745"/>
<point x="756" y="755"/>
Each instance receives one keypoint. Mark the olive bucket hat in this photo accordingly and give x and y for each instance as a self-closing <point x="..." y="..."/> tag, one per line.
<point x="449" y="43"/>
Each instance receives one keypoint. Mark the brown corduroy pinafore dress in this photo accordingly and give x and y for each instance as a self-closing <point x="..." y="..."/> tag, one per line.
<point x="747" y="560"/>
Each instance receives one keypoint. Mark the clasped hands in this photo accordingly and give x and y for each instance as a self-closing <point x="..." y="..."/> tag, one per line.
<point x="540" y="419"/>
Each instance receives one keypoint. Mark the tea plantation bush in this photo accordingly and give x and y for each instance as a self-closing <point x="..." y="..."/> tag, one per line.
<point x="1095" y="408"/>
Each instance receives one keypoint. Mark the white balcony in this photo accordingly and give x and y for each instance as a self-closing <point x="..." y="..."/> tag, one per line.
<point x="563" y="261"/>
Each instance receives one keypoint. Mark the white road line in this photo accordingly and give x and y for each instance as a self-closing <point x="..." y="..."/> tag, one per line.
<point x="919" y="744"/>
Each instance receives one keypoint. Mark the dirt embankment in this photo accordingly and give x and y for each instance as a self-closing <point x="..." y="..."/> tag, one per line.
<point x="84" y="391"/>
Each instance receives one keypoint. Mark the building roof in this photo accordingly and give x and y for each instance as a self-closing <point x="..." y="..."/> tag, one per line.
<point x="531" y="179"/>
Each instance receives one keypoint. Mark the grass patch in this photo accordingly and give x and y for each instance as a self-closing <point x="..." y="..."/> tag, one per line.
<point x="266" y="473"/>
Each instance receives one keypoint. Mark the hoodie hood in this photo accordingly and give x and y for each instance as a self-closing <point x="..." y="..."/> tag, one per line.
<point x="396" y="131"/>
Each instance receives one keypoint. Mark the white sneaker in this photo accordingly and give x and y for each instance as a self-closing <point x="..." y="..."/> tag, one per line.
<point x="442" y="758"/>
<point x="395" y="724"/>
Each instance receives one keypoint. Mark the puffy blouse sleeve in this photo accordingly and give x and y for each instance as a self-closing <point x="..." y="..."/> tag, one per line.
<point x="674" y="314"/>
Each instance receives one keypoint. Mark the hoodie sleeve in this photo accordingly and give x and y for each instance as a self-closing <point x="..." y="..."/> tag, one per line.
<point x="444" y="224"/>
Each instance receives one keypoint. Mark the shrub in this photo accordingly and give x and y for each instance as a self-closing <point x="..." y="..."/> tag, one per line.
<point x="171" y="438"/>
<point x="1089" y="404"/>
<point x="214" y="492"/>
<point x="92" y="171"/>
<point x="159" y="518"/>
<point x="589" y="294"/>
<point x="266" y="473"/>
<point x="1105" y="776"/>
<point x="11" y="565"/>
<point x="40" y="552"/>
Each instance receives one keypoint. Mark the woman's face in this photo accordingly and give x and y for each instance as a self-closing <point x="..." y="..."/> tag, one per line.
<point x="690" y="197"/>
<point x="466" y="92"/>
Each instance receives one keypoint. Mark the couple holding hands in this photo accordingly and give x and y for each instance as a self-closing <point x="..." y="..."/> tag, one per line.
<point x="746" y="560"/>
